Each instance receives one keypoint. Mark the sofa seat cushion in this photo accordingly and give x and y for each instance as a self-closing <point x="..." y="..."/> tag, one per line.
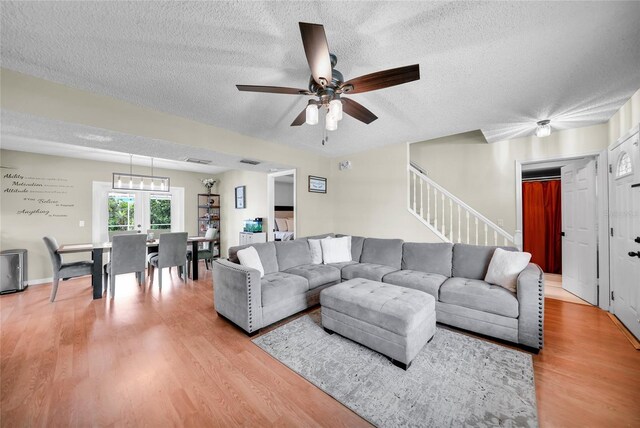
<point x="396" y="309"/>
<point x="370" y="271"/>
<point x="343" y="264"/>
<point x="479" y="295"/>
<point x="279" y="286"/>
<point x="316" y="274"/>
<point x="422" y="281"/>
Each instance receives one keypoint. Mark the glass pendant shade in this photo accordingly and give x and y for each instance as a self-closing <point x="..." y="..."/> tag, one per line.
<point x="335" y="109"/>
<point x="140" y="182"/>
<point x="331" y="123"/>
<point x="543" y="129"/>
<point x="312" y="114"/>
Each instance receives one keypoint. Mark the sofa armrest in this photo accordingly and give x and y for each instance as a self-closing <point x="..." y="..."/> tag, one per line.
<point x="237" y="294"/>
<point x="530" y="292"/>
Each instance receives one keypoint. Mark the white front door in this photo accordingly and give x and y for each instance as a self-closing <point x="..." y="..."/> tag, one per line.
<point x="579" y="228"/>
<point x="624" y="211"/>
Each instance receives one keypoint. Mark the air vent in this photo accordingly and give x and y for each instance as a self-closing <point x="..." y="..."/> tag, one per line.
<point x="200" y="161"/>
<point x="250" y="162"/>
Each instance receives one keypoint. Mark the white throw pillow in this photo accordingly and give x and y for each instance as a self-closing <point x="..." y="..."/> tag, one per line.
<point x="505" y="267"/>
<point x="290" y="226"/>
<point x="316" y="250"/>
<point x="249" y="258"/>
<point x="282" y="224"/>
<point x="337" y="250"/>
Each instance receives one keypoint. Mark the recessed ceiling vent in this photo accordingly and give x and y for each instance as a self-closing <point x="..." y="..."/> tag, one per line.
<point x="250" y="162"/>
<point x="199" y="161"/>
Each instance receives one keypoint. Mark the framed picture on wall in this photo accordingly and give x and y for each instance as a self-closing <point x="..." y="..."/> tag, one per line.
<point x="241" y="197"/>
<point x="317" y="184"/>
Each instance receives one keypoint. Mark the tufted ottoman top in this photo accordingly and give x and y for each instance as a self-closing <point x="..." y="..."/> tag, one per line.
<point x="397" y="309"/>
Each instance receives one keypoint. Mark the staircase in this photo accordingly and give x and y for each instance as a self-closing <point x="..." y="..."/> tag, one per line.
<point x="447" y="216"/>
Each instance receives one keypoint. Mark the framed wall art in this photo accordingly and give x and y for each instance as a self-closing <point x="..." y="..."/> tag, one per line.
<point x="317" y="184"/>
<point x="241" y="197"/>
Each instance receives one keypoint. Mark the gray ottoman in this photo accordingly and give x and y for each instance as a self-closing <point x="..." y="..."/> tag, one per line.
<point x="392" y="320"/>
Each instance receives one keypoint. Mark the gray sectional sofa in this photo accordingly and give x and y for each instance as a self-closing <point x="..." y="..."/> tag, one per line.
<point x="452" y="273"/>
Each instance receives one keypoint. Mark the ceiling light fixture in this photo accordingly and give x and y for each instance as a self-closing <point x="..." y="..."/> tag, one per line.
<point x="94" y="137"/>
<point x="543" y="129"/>
<point x="152" y="183"/>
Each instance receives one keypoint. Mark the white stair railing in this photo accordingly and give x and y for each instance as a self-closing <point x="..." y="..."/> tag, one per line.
<point x="447" y="216"/>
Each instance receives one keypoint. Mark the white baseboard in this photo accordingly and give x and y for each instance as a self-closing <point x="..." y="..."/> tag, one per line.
<point x="40" y="281"/>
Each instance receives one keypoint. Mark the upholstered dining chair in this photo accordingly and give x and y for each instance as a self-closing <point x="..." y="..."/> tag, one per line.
<point x="62" y="270"/>
<point x="172" y="251"/>
<point x="206" y="252"/>
<point x="122" y="232"/>
<point x="128" y="254"/>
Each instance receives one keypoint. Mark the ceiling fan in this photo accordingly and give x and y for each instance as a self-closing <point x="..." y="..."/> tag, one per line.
<point x="328" y="85"/>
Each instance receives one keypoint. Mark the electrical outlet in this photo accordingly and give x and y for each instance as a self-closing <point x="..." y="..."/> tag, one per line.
<point x="81" y="223"/>
<point x="501" y="222"/>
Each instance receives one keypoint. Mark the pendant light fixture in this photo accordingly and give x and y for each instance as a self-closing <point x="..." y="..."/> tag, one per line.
<point x="543" y="129"/>
<point x="131" y="181"/>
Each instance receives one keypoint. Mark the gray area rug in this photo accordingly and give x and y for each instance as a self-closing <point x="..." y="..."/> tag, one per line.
<point x="456" y="380"/>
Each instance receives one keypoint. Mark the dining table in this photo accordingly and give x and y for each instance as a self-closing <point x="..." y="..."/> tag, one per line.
<point x="97" y="250"/>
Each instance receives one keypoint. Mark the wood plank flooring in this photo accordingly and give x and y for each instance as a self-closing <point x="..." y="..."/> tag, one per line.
<point x="151" y="358"/>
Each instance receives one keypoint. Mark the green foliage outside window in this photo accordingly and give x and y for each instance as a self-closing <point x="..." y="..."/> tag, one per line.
<point x="160" y="213"/>
<point x="121" y="212"/>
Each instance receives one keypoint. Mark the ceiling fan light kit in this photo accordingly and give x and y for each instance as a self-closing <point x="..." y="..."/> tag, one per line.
<point x="543" y="129"/>
<point x="328" y="85"/>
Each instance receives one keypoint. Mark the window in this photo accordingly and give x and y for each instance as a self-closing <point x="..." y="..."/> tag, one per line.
<point x="121" y="212"/>
<point x="160" y="212"/>
<point x="624" y="165"/>
<point x="117" y="211"/>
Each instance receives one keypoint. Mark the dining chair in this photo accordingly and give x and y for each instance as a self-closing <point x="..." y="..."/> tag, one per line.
<point x="172" y="251"/>
<point x="205" y="253"/>
<point x="122" y="232"/>
<point x="64" y="270"/>
<point x="128" y="254"/>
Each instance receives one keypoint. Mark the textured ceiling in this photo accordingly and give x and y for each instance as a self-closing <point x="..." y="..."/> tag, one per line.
<point x="494" y="66"/>
<point x="29" y="133"/>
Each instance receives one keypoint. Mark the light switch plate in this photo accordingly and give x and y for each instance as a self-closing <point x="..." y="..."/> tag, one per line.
<point x="81" y="223"/>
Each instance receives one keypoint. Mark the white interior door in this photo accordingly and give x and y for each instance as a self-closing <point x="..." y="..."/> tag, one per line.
<point x="579" y="227"/>
<point x="624" y="212"/>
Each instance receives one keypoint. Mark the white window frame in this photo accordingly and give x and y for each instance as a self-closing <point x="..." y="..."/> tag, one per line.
<point x="100" y="211"/>
<point x="622" y="156"/>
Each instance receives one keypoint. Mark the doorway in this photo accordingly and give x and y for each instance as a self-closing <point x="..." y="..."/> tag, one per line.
<point x="281" y="188"/>
<point x="559" y="222"/>
<point x="624" y="210"/>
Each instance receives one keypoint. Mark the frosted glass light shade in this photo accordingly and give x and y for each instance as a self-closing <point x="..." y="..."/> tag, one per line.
<point x="331" y="122"/>
<point x="543" y="129"/>
<point x="312" y="114"/>
<point x="335" y="109"/>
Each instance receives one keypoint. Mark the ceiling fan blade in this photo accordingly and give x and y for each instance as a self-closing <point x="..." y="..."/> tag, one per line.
<point x="300" y="119"/>
<point x="383" y="79"/>
<point x="357" y="111"/>
<point x="317" y="50"/>
<point x="272" y="89"/>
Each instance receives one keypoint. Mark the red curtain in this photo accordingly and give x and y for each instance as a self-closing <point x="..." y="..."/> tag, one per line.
<point x="542" y="223"/>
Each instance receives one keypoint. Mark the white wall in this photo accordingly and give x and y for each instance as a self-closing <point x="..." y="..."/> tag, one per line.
<point x="483" y="175"/>
<point x="27" y="94"/>
<point x="19" y="230"/>
<point x="283" y="193"/>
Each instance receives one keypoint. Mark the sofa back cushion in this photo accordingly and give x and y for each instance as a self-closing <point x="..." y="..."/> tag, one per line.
<point x="427" y="257"/>
<point x="292" y="253"/>
<point x="472" y="261"/>
<point x="266" y="251"/>
<point x="386" y="252"/>
<point x="356" y="246"/>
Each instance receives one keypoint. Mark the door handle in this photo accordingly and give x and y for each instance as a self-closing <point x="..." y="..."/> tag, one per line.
<point x="637" y="240"/>
<point x="636" y="254"/>
<point x="561" y="233"/>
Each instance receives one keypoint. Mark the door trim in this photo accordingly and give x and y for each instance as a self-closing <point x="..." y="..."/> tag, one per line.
<point x="602" y="204"/>
<point x="271" y="201"/>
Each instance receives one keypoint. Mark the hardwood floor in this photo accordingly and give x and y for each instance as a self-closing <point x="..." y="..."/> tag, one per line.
<point x="553" y="290"/>
<point x="165" y="358"/>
